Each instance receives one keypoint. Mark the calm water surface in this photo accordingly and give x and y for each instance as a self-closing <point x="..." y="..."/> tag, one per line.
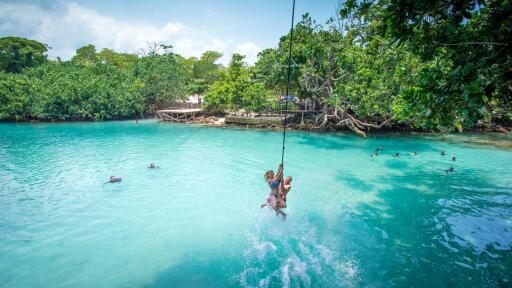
<point x="354" y="220"/>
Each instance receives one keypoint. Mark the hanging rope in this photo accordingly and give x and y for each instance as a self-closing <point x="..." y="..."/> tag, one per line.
<point x="288" y="81"/>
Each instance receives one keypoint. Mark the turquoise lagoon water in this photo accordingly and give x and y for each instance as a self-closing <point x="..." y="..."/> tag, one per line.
<point x="353" y="220"/>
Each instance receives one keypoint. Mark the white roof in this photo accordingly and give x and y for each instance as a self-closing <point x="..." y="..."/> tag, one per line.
<point x="193" y="99"/>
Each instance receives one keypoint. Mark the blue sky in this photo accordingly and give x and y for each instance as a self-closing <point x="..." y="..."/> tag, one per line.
<point x="190" y="26"/>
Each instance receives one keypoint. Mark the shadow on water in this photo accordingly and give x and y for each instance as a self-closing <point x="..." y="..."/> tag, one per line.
<point x="337" y="142"/>
<point x="438" y="230"/>
<point x="390" y="144"/>
<point x="353" y="181"/>
<point x="199" y="270"/>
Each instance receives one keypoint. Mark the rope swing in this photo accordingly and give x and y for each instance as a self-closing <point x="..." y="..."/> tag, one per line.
<point x="288" y="82"/>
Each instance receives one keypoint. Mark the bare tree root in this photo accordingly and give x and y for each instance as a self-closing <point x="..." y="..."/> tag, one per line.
<point x="344" y="119"/>
<point x="322" y="87"/>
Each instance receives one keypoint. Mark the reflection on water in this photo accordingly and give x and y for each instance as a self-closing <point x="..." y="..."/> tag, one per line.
<point x="354" y="220"/>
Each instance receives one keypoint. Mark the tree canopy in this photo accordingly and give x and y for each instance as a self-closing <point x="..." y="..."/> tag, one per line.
<point x="92" y="86"/>
<point x="18" y="53"/>
<point x="236" y="89"/>
<point x="437" y="65"/>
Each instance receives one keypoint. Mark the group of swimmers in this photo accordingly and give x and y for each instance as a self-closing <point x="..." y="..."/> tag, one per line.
<point x="397" y="155"/>
<point x="114" y="179"/>
<point x="279" y="189"/>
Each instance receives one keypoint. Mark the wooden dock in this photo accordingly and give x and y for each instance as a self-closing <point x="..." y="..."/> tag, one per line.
<point x="178" y="115"/>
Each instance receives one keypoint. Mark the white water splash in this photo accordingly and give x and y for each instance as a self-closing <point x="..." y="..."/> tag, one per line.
<point x="292" y="256"/>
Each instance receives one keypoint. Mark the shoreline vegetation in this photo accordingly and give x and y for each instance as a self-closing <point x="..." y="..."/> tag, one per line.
<point x="380" y="65"/>
<point x="468" y="136"/>
<point x="262" y="122"/>
<point x="309" y="124"/>
<point x="216" y="120"/>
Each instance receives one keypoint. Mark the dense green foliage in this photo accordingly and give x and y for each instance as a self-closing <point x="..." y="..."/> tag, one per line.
<point x="204" y="72"/>
<point x="63" y="91"/>
<point x="19" y="53"/>
<point x="87" y="55"/>
<point x="236" y="89"/>
<point x="92" y="86"/>
<point x="439" y="65"/>
<point x="467" y="47"/>
<point x="341" y="69"/>
<point x="160" y="79"/>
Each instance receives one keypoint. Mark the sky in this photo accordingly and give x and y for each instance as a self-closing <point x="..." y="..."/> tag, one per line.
<point x="191" y="26"/>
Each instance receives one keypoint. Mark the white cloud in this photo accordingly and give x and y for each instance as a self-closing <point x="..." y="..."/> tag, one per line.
<point x="250" y="50"/>
<point x="66" y="27"/>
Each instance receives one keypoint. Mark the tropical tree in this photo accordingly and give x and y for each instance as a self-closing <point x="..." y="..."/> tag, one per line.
<point x="18" y="53"/>
<point x="162" y="79"/>
<point x="236" y="89"/>
<point x="467" y="48"/>
<point x="205" y="71"/>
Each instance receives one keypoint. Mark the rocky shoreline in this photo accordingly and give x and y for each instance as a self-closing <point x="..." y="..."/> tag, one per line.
<point x="309" y="125"/>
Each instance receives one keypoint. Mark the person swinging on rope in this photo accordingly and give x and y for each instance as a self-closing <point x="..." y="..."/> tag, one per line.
<point x="273" y="182"/>
<point x="279" y="187"/>
<point x="277" y="197"/>
<point x="284" y="188"/>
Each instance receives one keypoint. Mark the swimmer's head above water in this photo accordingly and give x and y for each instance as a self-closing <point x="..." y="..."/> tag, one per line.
<point x="113" y="179"/>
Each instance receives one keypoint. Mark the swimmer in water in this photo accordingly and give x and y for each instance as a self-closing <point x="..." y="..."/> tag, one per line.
<point x="374" y="154"/>
<point x="113" y="179"/>
<point x="450" y="170"/>
<point x="273" y="182"/>
<point x="396" y="155"/>
<point x="380" y="149"/>
<point x="443" y="153"/>
<point x="414" y="154"/>
<point x="455" y="158"/>
<point x="153" y="166"/>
